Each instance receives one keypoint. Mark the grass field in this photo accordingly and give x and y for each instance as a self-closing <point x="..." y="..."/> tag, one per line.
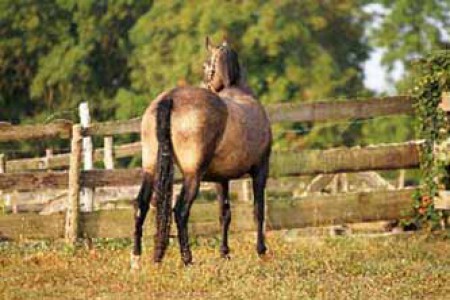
<point x="397" y="267"/>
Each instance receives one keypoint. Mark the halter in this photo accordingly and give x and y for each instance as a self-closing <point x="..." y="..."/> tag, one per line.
<point x="212" y="65"/>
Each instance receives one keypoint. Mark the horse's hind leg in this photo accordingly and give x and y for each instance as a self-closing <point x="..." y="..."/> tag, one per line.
<point x="182" y="209"/>
<point x="141" y="206"/>
<point x="259" y="176"/>
<point x="225" y="215"/>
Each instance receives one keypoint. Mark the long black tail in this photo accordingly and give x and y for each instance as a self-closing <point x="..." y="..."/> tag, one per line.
<point x="164" y="178"/>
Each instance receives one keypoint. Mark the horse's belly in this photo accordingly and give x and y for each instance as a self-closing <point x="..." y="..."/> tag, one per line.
<point x="234" y="165"/>
<point x="236" y="158"/>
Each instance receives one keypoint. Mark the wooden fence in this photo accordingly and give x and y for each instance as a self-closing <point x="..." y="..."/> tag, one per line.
<point x="310" y="210"/>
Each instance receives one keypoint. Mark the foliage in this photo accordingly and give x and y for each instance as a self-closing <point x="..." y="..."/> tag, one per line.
<point x="433" y="78"/>
<point x="410" y="29"/>
<point x="55" y="54"/>
<point x="291" y="50"/>
<point x="28" y="30"/>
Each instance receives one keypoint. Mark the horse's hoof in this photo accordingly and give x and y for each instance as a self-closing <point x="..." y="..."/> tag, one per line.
<point x="135" y="262"/>
<point x="157" y="261"/>
<point x="225" y="256"/>
<point x="186" y="257"/>
<point x="224" y="252"/>
<point x="261" y="250"/>
<point x="187" y="261"/>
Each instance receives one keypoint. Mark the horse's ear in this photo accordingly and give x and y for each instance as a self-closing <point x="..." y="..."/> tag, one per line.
<point x="208" y="44"/>
<point x="225" y="40"/>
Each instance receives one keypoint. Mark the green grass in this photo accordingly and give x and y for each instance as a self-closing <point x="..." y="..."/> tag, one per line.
<point x="397" y="267"/>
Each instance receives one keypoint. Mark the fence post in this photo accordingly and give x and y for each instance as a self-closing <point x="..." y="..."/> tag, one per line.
<point x="108" y="158"/>
<point x="48" y="155"/>
<point x="245" y="192"/>
<point x="73" y="199"/>
<point x="11" y="198"/>
<point x="343" y="182"/>
<point x="401" y="179"/>
<point x="442" y="202"/>
<point x="3" y="170"/>
<point x="2" y="163"/>
<point x="87" y="194"/>
<point x="335" y="184"/>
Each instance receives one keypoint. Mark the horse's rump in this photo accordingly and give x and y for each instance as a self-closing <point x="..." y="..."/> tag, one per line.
<point x="198" y="122"/>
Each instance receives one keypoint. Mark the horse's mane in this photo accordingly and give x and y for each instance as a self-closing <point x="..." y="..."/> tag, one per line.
<point x="228" y="64"/>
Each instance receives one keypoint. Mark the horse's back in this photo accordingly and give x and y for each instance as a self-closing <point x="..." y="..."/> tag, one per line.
<point x="197" y="124"/>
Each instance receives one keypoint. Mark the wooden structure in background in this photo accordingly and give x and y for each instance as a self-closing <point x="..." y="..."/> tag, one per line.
<point x="293" y="163"/>
<point x="312" y="210"/>
<point x="305" y="211"/>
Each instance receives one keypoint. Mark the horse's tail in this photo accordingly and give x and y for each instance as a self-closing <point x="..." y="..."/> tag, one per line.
<point x="164" y="177"/>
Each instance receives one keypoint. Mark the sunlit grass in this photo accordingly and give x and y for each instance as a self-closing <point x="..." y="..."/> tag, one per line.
<point x="398" y="267"/>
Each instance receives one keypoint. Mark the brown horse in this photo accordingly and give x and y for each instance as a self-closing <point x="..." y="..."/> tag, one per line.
<point x="215" y="134"/>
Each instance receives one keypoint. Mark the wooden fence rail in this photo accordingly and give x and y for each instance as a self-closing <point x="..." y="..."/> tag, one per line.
<point x="62" y="160"/>
<point x="340" y="110"/>
<point x="294" y="163"/>
<point x="338" y="160"/>
<point x="57" y="129"/>
<point x="312" y="210"/>
<point x="300" y="162"/>
<point x="301" y="112"/>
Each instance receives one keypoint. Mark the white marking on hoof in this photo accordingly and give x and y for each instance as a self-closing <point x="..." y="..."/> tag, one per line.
<point x="135" y="262"/>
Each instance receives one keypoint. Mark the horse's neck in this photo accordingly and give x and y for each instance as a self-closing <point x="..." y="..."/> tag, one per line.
<point x="245" y="88"/>
<point x="238" y="94"/>
<point x="235" y="92"/>
<point x="239" y="88"/>
<point x="242" y="88"/>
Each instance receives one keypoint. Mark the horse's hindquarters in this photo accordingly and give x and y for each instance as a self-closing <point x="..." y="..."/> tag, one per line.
<point x="221" y="138"/>
<point x="198" y="123"/>
<point x="195" y="135"/>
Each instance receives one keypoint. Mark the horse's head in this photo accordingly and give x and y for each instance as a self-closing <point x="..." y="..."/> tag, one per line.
<point x="221" y="69"/>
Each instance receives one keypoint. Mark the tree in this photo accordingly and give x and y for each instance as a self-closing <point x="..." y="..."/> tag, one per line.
<point x="90" y="60"/>
<point x="407" y="30"/>
<point x="29" y="29"/>
<point x="410" y="29"/>
<point x="55" y="54"/>
<point x="291" y="49"/>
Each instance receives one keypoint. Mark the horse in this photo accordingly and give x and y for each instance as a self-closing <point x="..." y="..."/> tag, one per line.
<point x="213" y="134"/>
